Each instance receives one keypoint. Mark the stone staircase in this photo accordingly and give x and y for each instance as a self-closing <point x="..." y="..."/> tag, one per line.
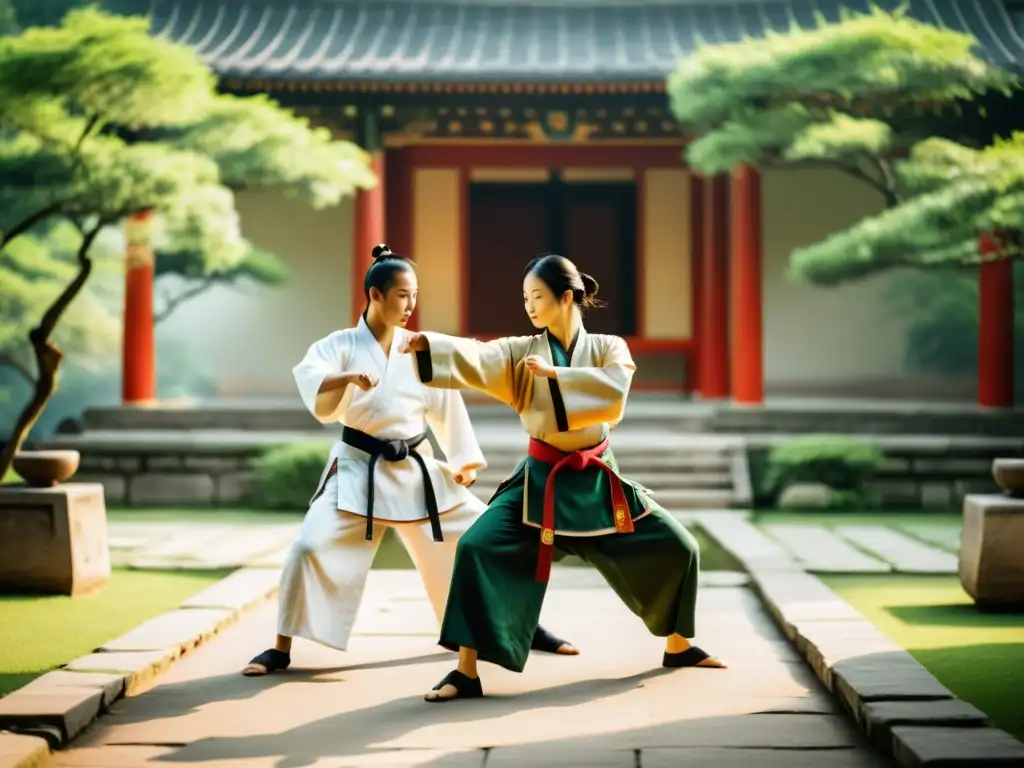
<point x="709" y="475"/>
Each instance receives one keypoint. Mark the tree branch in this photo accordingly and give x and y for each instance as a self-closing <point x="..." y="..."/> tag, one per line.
<point x="889" y="179"/>
<point x="28" y="222"/>
<point x="9" y="360"/>
<point x="48" y="355"/>
<point x="883" y="187"/>
<point x="172" y="301"/>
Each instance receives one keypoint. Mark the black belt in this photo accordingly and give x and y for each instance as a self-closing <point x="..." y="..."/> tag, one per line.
<point x="393" y="450"/>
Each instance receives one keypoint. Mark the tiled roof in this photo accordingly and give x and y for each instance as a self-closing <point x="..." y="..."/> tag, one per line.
<point x="534" y="41"/>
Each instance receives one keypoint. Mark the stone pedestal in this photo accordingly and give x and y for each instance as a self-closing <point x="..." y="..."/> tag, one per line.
<point x="991" y="560"/>
<point x="53" y="540"/>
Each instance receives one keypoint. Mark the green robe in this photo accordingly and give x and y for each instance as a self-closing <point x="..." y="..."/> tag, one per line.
<point x="495" y="601"/>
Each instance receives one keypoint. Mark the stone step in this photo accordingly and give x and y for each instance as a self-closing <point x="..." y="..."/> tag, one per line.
<point x="655" y="481"/>
<point x="670" y="499"/>
<point x="630" y="461"/>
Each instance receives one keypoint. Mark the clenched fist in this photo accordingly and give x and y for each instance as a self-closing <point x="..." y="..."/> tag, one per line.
<point x="539" y="366"/>
<point x="415" y="343"/>
<point x="466" y="477"/>
<point x="364" y="381"/>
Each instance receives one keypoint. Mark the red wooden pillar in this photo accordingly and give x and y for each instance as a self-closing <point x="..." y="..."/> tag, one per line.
<point x="745" y="301"/>
<point x="713" y="368"/>
<point x="138" y="351"/>
<point x="369" y="230"/>
<point x="995" y="328"/>
<point x="697" y="196"/>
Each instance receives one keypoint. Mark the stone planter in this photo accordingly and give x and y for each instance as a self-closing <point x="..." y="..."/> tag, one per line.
<point x="53" y="540"/>
<point x="991" y="565"/>
<point x="1009" y="474"/>
<point x="46" y="469"/>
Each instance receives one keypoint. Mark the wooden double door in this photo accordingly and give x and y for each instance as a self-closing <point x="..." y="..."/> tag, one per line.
<point x="593" y="224"/>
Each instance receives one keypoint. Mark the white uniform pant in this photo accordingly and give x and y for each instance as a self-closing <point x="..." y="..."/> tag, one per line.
<point x="325" y="570"/>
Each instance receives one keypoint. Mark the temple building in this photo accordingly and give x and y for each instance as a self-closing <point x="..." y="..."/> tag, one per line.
<point x="499" y="130"/>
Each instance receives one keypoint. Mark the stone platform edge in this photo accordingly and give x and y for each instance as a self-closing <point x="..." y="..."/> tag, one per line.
<point x="904" y="712"/>
<point x="53" y="709"/>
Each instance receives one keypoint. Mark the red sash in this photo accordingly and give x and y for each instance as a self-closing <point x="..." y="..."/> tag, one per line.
<point x="576" y="461"/>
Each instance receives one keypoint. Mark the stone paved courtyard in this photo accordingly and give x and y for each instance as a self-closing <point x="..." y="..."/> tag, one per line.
<point x="902" y="547"/>
<point x="612" y="706"/>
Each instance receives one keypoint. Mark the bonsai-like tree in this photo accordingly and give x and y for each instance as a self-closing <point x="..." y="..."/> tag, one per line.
<point x="100" y="120"/>
<point x="857" y="96"/>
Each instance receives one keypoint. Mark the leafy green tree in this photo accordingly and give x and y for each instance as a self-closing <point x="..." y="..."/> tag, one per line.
<point x="856" y="96"/>
<point x="100" y="120"/>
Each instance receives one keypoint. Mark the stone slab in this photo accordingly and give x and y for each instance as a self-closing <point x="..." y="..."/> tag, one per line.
<point x="182" y="629"/>
<point x="67" y="710"/>
<point x="748" y="758"/>
<point x="946" y="537"/>
<point x="906" y="555"/>
<point x="138" y="669"/>
<point x="135" y="756"/>
<point x="18" y="750"/>
<point x="239" y="591"/>
<point x="895" y="675"/>
<point x="188" y="544"/>
<point x="273" y="559"/>
<point x="241" y="544"/>
<point x="111" y="684"/>
<point x="880" y="717"/>
<point x="956" y="747"/>
<point x="560" y="755"/>
<point x="747" y="543"/>
<point x="826" y="643"/>
<point x="819" y="550"/>
<point x="795" y="596"/>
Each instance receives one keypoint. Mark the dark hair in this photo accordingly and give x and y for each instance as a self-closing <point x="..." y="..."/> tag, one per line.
<point x="561" y="275"/>
<point x="385" y="268"/>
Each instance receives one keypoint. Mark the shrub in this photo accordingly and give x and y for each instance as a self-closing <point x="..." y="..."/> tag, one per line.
<point x="287" y="475"/>
<point x="845" y="464"/>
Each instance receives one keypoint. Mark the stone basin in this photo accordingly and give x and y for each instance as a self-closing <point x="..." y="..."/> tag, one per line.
<point x="46" y="469"/>
<point x="1009" y="475"/>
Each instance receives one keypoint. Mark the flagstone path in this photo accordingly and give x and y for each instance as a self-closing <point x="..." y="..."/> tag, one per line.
<point x="612" y="706"/>
<point x="913" y="548"/>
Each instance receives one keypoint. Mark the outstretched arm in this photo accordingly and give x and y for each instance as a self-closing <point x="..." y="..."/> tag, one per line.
<point x="493" y="367"/>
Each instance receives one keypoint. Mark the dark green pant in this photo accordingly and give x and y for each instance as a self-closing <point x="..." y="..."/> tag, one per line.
<point x="494" y="603"/>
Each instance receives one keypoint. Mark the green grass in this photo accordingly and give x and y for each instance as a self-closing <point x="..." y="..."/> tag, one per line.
<point x="39" y="633"/>
<point x="978" y="656"/>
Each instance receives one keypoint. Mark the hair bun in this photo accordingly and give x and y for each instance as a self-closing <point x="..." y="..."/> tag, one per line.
<point x="381" y="250"/>
<point x="590" y="286"/>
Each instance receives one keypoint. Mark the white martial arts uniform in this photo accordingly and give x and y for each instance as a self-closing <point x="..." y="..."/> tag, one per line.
<point x="326" y="569"/>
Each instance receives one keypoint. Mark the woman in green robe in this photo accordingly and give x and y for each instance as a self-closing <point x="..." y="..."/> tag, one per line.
<point x="569" y="388"/>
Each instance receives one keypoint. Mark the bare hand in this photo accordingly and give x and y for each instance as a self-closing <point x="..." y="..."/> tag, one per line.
<point x="466" y="477"/>
<point x="364" y="381"/>
<point x="415" y="343"/>
<point x="539" y="366"/>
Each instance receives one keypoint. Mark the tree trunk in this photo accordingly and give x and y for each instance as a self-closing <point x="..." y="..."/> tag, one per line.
<point x="48" y="356"/>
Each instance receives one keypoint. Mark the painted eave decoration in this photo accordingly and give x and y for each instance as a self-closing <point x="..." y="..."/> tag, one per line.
<point x="493" y="45"/>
